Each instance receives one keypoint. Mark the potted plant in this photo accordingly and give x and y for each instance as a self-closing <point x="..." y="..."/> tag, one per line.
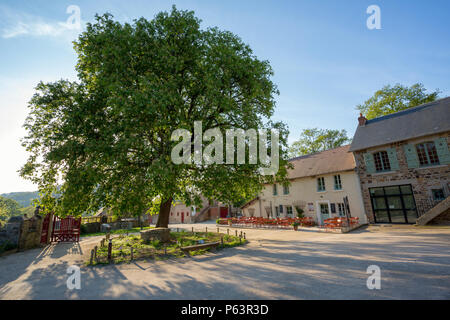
<point x="299" y="212"/>
<point x="295" y="225"/>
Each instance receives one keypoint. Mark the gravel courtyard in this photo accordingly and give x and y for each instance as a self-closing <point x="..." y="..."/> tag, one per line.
<point x="414" y="262"/>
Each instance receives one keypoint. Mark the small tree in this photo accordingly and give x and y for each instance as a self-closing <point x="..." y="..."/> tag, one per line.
<point x="396" y="98"/>
<point x="316" y="140"/>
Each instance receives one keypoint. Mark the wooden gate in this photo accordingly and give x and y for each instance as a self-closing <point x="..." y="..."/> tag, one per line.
<point x="66" y="229"/>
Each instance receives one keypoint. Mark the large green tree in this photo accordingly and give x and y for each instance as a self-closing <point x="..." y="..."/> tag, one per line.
<point x="396" y="98"/>
<point x="316" y="140"/>
<point x="105" y="140"/>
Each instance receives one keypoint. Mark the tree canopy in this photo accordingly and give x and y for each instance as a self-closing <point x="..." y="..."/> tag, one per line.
<point x="105" y="140"/>
<point x="8" y="208"/>
<point x="317" y="140"/>
<point x="396" y="98"/>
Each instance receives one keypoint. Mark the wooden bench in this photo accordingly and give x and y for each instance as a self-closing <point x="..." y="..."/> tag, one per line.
<point x="208" y="245"/>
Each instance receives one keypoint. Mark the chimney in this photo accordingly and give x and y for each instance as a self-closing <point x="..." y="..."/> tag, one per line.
<point x="362" y="120"/>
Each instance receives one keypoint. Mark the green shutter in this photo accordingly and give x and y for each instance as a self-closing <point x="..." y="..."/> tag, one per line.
<point x="392" y="154"/>
<point x="370" y="163"/>
<point x="411" y="156"/>
<point x="442" y="150"/>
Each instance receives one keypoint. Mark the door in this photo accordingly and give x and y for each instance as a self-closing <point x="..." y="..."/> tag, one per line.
<point x="182" y="217"/>
<point x="323" y="210"/>
<point x="223" y="212"/>
<point x="393" y="204"/>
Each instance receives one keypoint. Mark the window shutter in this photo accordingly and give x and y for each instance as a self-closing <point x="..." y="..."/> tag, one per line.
<point x="442" y="150"/>
<point x="411" y="156"/>
<point x="392" y="154"/>
<point x="370" y="164"/>
<point x="333" y="207"/>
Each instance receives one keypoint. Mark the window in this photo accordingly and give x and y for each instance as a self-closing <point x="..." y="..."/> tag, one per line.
<point x="285" y="189"/>
<point x="337" y="182"/>
<point x="333" y="207"/>
<point x="438" y="194"/>
<point x="427" y="154"/>
<point x="382" y="161"/>
<point x="320" y="184"/>
<point x="289" y="210"/>
<point x="281" y="208"/>
<point x="341" y="209"/>
<point x="393" y="204"/>
<point x="324" y="208"/>
<point x="275" y="191"/>
<point x="277" y="213"/>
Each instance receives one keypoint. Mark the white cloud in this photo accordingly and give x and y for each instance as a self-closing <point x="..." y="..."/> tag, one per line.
<point x="22" y="24"/>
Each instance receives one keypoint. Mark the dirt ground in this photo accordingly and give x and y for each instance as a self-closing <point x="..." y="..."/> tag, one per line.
<point x="275" y="264"/>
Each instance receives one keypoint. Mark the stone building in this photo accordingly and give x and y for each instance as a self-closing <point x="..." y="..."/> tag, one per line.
<point x="209" y="210"/>
<point x="403" y="162"/>
<point x="319" y="183"/>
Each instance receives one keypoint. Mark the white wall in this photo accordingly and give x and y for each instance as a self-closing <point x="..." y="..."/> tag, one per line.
<point x="305" y="190"/>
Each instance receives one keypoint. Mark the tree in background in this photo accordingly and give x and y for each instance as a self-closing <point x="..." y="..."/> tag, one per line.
<point x="106" y="139"/>
<point x="396" y="98"/>
<point x="317" y="140"/>
<point x="9" y="208"/>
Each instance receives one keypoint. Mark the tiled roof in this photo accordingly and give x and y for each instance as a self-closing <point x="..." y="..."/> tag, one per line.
<point x="329" y="161"/>
<point x="423" y="120"/>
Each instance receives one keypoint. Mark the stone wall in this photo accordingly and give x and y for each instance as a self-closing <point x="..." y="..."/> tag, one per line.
<point x="22" y="233"/>
<point x="96" y="226"/>
<point x="422" y="180"/>
<point x="10" y="233"/>
<point x="30" y="235"/>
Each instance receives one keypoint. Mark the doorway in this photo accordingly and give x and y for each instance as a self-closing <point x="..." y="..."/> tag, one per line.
<point x="323" y="211"/>
<point x="393" y="204"/>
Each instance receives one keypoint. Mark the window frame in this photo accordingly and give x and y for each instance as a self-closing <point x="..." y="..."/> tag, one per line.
<point x="434" y="191"/>
<point x="383" y="195"/>
<point x="289" y="210"/>
<point x="425" y="155"/>
<point x="341" y="209"/>
<point x="381" y="161"/>
<point x="321" y="183"/>
<point x="337" y="182"/>
<point x="324" y="205"/>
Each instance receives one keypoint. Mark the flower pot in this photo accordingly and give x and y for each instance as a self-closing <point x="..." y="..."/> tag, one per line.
<point x="295" y="228"/>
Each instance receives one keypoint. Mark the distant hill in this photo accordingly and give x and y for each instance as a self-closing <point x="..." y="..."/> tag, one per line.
<point x="23" y="198"/>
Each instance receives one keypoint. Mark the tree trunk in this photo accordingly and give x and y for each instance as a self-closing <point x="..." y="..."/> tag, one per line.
<point x="164" y="213"/>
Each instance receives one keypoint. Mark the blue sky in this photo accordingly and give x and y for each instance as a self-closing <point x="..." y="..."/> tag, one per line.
<point x="326" y="60"/>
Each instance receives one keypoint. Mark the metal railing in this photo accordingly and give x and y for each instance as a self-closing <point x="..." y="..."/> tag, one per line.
<point x="425" y="205"/>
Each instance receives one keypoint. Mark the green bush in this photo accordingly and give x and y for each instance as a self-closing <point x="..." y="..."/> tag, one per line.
<point x="299" y="212"/>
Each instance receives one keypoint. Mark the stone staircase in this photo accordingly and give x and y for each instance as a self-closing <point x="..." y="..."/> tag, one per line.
<point x="201" y="215"/>
<point x="440" y="210"/>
